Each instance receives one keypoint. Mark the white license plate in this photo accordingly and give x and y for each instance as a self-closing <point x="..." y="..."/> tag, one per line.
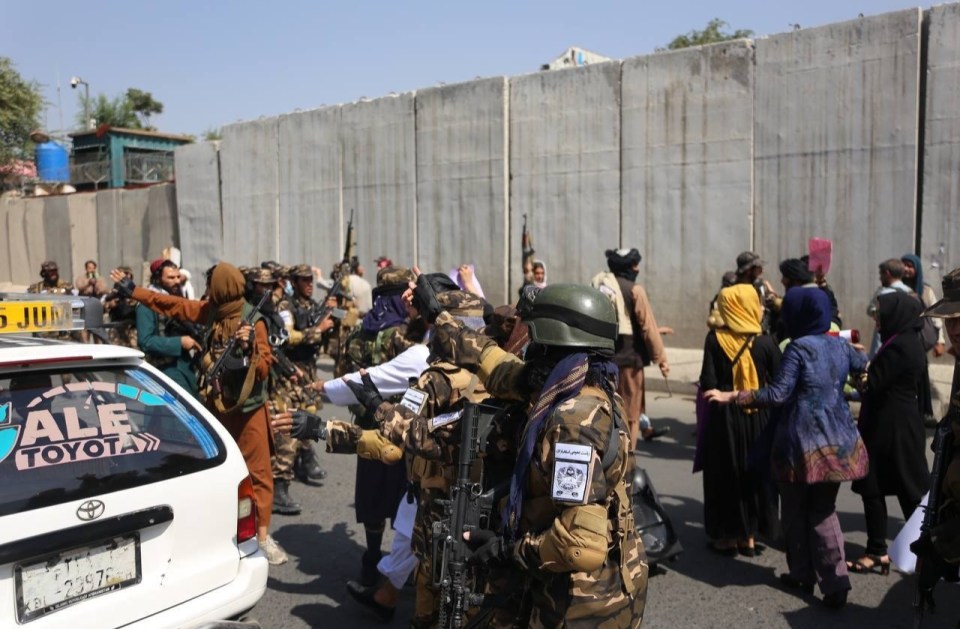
<point x="76" y="575"/>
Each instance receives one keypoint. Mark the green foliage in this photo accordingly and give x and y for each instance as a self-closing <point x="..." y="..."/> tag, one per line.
<point x="710" y="35"/>
<point x="132" y="110"/>
<point x="212" y="134"/>
<point x="20" y="107"/>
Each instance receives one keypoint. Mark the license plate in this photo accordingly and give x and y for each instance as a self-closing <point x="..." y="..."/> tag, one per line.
<point x="21" y="317"/>
<point x="75" y="575"/>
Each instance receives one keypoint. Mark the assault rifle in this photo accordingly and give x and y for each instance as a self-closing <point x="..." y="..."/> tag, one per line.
<point x="468" y="509"/>
<point x="930" y="565"/>
<point x="226" y="359"/>
<point x="526" y="244"/>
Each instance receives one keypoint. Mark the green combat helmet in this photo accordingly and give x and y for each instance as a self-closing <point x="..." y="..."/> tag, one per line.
<point x="571" y="315"/>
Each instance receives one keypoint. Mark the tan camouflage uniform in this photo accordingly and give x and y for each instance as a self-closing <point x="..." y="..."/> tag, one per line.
<point x="60" y="287"/>
<point x="584" y="561"/>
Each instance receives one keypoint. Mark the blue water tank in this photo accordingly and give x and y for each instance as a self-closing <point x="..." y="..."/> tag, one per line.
<point x="53" y="162"/>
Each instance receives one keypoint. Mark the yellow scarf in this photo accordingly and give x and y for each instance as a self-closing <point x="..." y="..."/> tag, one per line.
<point x="740" y="308"/>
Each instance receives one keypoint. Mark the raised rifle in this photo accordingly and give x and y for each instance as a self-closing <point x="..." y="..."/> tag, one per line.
<point x="226" y="359"/>
<point x="930" y="566"/>
<point x="526" y="243"/>
<point x="469" y="508"/>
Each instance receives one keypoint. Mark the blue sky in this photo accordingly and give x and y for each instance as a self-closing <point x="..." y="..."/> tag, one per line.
<point x="215" y="63"/>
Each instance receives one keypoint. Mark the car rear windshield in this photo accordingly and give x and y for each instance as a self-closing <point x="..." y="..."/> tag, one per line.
<point x="70" y="435"/>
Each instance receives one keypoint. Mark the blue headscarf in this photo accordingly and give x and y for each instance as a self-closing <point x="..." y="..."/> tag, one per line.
<point x="387" y="311"/>
<point x="918" y="265"/>
<point x="806" y="311"/>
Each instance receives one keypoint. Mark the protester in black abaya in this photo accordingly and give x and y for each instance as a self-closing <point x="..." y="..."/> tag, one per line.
<point x="891" y="424"/>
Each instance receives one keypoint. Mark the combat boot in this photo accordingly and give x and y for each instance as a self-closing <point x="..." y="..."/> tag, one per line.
<point x="282" y="502"/>
<point x="306" y="467"/>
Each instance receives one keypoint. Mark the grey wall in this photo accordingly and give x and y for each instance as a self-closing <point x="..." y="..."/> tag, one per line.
<point x="462" y="191"/>
<point x="198" y="205"/>
<point x="565" y="168"/>
<point x="687" y="173"/>
<point x="941" y="148"/>
<point x="691" y="156"/>
<point x="835" y="147"/>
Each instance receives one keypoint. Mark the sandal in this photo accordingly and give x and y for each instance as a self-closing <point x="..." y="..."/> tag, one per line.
<point x="870" y="563"/>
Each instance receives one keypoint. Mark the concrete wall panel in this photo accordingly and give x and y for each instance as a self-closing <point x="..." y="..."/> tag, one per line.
<point x="56" y="232"/>
<point x="462" y="181"/>
<point x="310" y="226"/>
<point x="941" y="143"/>
<point x="198" y="205"/>
<point x="687" y="173"/>
<point x="134" y="246"/>
<point x="34" y="236"/>
<point x="565" y="168"/>
<point x="160" y="221"/>
<point x="379" y="178"/>
<point x="6" y="269"/>
<point x="82" y="211"/>
<point x="17" y="253"/>
<point x="109" y="212"/>
<point x="836" y="147"/>
<point x="250" y="195"/>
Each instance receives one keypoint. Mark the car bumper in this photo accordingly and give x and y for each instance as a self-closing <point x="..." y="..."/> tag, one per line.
<point x="225" y="602"/>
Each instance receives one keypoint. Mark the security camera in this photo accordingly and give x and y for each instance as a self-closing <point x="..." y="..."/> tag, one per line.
<point x="74" y="81"/>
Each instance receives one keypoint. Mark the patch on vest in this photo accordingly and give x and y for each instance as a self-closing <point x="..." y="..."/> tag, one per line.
<point x="415" y="400"/>
<point x="444" y="419"/>
<point x="571" y="472"/>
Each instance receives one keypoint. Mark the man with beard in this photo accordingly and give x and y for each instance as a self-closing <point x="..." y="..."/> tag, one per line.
<point x="166" y="350"/>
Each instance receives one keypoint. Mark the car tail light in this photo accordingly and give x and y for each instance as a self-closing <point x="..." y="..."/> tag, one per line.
<point x="246" y="511"/>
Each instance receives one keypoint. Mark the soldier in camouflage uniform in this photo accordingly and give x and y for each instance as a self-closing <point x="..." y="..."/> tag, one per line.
<point x="300" y="317"/>
<point x="424" y="424"/>
<point x="285" y="389"/>
<point x="51" y="284"/>
<point x="569" y="522"/>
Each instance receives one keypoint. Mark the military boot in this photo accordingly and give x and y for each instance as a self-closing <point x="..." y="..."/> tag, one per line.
<point x="306" y="467"/>
<point x="282" y="502"/>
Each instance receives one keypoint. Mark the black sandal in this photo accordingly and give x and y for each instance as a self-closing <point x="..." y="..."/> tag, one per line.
<point x="870" y="564"/>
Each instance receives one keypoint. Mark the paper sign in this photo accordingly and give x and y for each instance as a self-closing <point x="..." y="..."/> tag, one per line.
<point x="821" y="255"/>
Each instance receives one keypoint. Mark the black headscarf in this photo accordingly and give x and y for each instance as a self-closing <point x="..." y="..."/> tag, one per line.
<point x="621" y="262"/>
<point x="805" y="311"/>
<point x="898" y="312"/>
<point x="796" y="271"/>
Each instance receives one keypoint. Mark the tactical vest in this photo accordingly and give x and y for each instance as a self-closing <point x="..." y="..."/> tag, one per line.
<point x="432" y="474"/>
<point x="161" y="362"/>
<point x="303" y="352"/>
<point x="240" y="390"/>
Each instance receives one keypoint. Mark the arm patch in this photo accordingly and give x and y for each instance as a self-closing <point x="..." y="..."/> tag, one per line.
<point x="415" y="400"/>
<point x="571" y="472"/>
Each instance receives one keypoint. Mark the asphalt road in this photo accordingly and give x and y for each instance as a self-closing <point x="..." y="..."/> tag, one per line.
<point x="701" y="589"/>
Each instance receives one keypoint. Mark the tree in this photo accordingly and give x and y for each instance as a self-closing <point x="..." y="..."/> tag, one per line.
<point x="710" y="35"/>
<point x="132" y="110"/>
<point x="212" y="134"/>
<point x="143" y="105"/>
<point x="20" y="107"/>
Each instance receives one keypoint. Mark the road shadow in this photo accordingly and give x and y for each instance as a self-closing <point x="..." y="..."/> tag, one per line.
<point x="678" y="444"/>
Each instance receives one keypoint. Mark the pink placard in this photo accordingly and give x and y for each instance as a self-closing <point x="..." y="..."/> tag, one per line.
<point x="821" y="255"/>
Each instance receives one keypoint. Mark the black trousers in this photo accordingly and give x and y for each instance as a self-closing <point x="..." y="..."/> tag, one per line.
<point x="875" y="511"/>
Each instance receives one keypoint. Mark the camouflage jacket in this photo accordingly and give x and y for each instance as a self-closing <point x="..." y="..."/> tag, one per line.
<point x="61" y="288"/>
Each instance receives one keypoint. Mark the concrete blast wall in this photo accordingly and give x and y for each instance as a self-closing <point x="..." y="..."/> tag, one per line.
<point x="687" y="173"/>
<point x="462" y="191"/>
<point x="565" y="168"/>
<point x="691" y="156"/>
<point x="835" y="147"/>
<point x="940" y="224"/>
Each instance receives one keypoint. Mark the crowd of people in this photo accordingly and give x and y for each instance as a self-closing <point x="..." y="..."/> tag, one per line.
<point x="775" y="434"/>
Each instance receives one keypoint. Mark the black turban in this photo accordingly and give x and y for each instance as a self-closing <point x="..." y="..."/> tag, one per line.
<point x="622" y="259"/>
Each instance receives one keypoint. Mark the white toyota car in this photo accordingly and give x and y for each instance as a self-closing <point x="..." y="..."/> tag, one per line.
<point x="123" y="502"/>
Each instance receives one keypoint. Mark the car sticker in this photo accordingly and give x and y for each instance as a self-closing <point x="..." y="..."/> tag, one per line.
<point x="571" y="472"/>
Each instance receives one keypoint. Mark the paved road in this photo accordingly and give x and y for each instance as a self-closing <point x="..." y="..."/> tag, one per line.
<point x="699" y="590"/>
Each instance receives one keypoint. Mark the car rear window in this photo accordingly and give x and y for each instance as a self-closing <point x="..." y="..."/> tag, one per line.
<point x="70" y="435"/>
